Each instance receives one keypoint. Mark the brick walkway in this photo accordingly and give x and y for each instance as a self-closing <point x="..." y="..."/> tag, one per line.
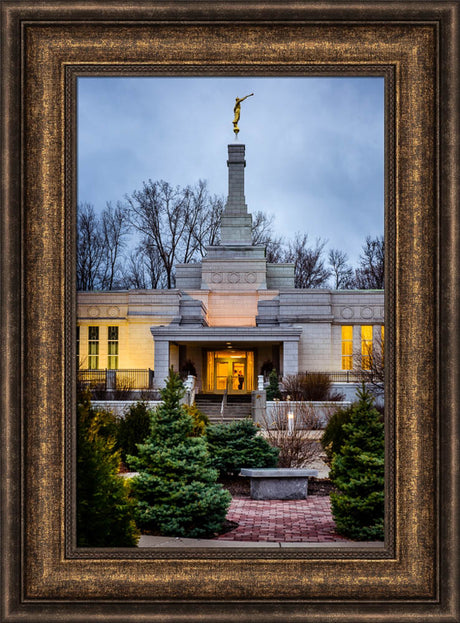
<point x="291" y="521"/>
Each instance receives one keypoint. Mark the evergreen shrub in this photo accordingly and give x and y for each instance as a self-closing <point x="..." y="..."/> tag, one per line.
<point x="133" y="428"/>
<point x="358" y="473"/>
<point x="176" y="490"/>
<point x="236" y="445"/>
<point x="200" y="420"/>
<point x="105" y="513"/>
<point x="334" y="434"/>
<point x="273" y="389"/>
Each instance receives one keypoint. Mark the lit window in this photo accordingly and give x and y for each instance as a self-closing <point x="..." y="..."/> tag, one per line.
<point x="366" y="347"/>
<point x="93" y="348"/>
<point x="347" y="348"/>
<point x="113" y="348"/>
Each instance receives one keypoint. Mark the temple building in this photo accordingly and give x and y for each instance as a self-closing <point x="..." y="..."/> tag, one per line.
<point x="228" y="314"/>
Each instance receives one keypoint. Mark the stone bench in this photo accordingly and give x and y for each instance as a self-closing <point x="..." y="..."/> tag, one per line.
<point x="279" y="484"/>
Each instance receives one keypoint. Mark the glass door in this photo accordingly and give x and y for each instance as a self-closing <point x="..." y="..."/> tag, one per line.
<point x="238" y="375"/>
<point x="231" y="370"/>
<point x="222" y="375"/>
<point x="230" y="374"/>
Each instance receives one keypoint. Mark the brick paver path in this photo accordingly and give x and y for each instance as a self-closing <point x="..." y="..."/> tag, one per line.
<point x="292" y="521"/>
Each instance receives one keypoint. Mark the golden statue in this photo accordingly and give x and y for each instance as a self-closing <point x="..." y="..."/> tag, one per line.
<point x="237" y="111"/>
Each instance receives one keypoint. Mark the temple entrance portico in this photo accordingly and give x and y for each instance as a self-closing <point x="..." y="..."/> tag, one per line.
<point x="225" y="358"/>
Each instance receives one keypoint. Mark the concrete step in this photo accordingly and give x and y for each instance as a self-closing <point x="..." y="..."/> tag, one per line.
<point x="231" y="411"/>
<point x="231" y="398"/>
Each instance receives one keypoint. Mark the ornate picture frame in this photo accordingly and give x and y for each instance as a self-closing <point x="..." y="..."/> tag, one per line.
<point x="414" y="576"/>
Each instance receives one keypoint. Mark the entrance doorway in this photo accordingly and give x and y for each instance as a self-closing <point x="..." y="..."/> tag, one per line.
<point x="231" y="371"/>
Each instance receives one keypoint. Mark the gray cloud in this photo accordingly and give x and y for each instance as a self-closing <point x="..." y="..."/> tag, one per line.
<point x="314" y="146"/>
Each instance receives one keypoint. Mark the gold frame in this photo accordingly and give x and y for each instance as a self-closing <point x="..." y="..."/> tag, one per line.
<point x="414" y="576"/>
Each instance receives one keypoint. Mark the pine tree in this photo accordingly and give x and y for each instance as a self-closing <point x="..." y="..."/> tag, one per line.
<point x="358" y="473"/>
<point x="105" y="513"/>
<point x="176" y="489"/>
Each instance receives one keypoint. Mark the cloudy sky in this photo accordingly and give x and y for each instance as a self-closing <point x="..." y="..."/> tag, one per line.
<point x="314" y="146"/>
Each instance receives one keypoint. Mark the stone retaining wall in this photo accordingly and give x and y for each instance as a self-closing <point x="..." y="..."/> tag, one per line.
<point x="119" y="407"/>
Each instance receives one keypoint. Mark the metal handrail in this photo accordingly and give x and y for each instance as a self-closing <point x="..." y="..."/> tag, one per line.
<point x="224" y="401"/>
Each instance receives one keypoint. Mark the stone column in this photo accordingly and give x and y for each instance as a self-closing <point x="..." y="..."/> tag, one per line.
<point x="356" y="342"/>
<point x="236" y="223"/>
<point x="290" y="358"/>
<point x="376" y="335"/>
<point x="259" y="406"/>
<point x="161" y="362"/>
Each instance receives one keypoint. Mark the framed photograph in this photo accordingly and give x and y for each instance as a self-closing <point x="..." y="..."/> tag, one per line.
<point x="47" y="48"/>
<point x="175" y="275"/>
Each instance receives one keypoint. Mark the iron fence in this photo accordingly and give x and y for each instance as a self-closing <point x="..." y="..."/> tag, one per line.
<point x="106" y="380"/>
<point x="343" y="376"/>
<point x="136" y="379"/>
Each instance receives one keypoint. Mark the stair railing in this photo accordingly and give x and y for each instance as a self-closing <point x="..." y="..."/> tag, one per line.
<point x="224" y="402"/>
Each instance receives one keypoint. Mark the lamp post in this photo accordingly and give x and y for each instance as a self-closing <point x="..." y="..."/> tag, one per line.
<point x="290" y="421"/>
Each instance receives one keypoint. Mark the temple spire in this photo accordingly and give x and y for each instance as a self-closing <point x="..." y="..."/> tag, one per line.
<point x="236" y="224"/>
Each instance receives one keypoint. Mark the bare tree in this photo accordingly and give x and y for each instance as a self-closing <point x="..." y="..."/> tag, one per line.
<point x="134" y="274"/>
<point x="114" y="228"/>
<point x="369" y="366"/>
<point x="158" y="213"/>
<point x="178" y="222"/>
<point x="298" y="444"/>
<point x="90" y="248"/>
<point x="205" y="216"/>
<point x="262" y="227"/>
<point x="156" y="277"/>
<point x="143" y="269"/>
<point x="341" y="271"/>
<point x="262" y="234"/>
<point x="176" y="225"/>
<point x="370" y="275"/>
<point x="309" y="269"/>
<point x="100" y="241"/>
<point x="211" y="234"/>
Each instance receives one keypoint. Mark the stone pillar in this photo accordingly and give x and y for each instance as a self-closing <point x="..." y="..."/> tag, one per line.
<point x="236" y="223"/>
<point x="161" y="362"/>
<point x="259" y="407"/>
<point x="356" y="342"/>
<point x="376" y="335"/>
<point x="290" y="358"/>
